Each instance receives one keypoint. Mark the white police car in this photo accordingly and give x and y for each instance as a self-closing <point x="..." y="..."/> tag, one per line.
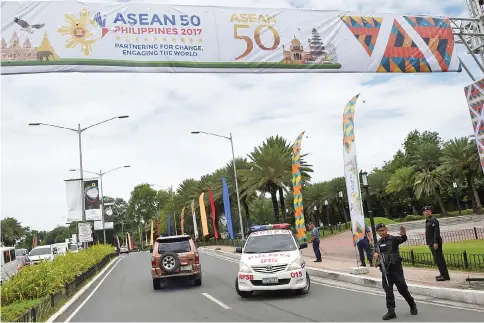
<point x="271" y="260"/>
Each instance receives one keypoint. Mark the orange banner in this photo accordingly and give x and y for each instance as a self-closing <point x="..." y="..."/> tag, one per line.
<point x="151" y="234"/>
<point x="182" y="220"/>
<point x="203" y="215"/>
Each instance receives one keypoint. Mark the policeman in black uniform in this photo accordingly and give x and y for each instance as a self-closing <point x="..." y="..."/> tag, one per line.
<point x="434" y="241"/>
<point x="391" y="267"/>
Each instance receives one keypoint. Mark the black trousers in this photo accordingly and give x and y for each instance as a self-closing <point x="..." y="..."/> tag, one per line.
<point x="440" y="260"/>
<point x="396" y="277"/>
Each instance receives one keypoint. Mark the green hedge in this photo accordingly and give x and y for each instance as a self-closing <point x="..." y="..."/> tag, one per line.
<point x="413" y="217"/>
<point x="36" y="281"/>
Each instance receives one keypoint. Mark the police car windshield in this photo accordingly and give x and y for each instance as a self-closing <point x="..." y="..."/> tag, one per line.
<point x="270" y="243"/>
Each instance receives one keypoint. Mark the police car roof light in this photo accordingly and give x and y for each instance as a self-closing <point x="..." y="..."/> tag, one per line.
<point x="282" y="226"/>
<point x="264" y="227"/>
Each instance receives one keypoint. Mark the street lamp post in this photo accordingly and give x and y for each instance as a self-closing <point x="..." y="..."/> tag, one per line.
<point x="457" y="197"/>
<point x="364" y="181"/>
<point x="235" y="174"/>
<point x="79" y="132"/>
<point x="326" y="204"/>
<point x="101" y="174"/>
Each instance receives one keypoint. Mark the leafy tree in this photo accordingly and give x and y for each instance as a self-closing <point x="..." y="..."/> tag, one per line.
<point x="12" y="231"/>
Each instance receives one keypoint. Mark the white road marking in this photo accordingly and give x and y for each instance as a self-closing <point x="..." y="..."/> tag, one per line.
<point x="81" y="292"/>
<point x="92" y="293"/>
<point x="374" y="293"/>
<point x="216" y="301"/>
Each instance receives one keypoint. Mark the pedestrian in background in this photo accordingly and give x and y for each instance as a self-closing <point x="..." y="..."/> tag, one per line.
<point x="434" y="241"/>
<point x="315" y="241"/>
<point x="392" y="272"/>
<point x="364" y="245"/>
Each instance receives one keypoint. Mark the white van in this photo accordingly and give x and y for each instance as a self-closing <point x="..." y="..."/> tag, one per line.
<point x="40" y="253"/>
<point x="9" y="263"/>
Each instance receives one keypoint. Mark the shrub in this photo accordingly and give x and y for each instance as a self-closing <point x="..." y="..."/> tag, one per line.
<point x="37" y="281"/>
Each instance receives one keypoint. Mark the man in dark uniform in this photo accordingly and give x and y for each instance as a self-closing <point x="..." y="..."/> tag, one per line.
<point x="392" y="273"/>
<point x="315" y="241"/>
<point x="434" y="241"/>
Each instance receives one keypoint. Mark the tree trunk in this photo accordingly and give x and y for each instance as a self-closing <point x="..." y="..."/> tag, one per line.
<point x="282" y="202"/>
<point x="275" y="204"/>
<point x="246" y="208"/>
<point x="441" y="204"/>
<point x="386" y="207"/>
<point x="476" y="194"/>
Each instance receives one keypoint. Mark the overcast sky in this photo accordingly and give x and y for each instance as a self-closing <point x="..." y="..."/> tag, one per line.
<point x="164" y="108"/>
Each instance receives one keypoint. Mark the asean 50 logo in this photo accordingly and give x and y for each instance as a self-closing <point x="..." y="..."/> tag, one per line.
<point x="83" y="31"/>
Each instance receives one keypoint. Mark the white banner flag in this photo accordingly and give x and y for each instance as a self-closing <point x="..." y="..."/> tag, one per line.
<point x="74" y="200"/>
<point x="98" y="225"/>
<point x="98" y="36"/>
<point x="351" y="172"/>
<point x="195" y="229"/>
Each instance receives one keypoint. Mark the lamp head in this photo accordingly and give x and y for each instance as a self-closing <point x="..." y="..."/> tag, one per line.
<point x="123" y="117"/>
<point x="127" y="166"/>
<point x="34" y="124"/>
<point x="325" y="202"/>
<point x="340" y="194"/>
<point x="195" y="132"/>
<point x="73" y="170"/>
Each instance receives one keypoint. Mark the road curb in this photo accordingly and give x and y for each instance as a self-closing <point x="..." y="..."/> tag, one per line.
<point x="80" y="292"/>
<point x="451" y="294"/>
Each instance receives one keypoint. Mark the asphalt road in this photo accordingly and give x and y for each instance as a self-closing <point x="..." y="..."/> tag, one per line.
<point x="126" y="295"/>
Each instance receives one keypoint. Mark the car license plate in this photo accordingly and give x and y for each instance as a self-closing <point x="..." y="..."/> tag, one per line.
<point x="270" y="280"/>
<point x="184" y="268"/>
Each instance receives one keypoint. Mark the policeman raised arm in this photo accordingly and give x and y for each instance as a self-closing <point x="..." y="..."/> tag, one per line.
<point x="392" y="272"/>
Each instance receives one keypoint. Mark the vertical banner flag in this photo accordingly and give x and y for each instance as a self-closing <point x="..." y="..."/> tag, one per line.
<point x="228" y="215"/>
<point x="296" y="186"/>
<point x="195" y="229"/>
<point x="92" y="201"/>
<point x="128" y="240"/>
<point x="74" y="201"/>
<point x="351" y="171"/>
<point x="151" y="234"/>
<point x="169" y="224"/>
<point x="214" y="220"/>
<point x="203" y="215"/>
<point x="475" y="101"/>
<point x="182" y="220"/>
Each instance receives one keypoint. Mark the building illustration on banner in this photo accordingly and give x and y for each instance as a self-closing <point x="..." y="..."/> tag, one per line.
<point x="26" y="52"/>
<point x="318" y="53"/>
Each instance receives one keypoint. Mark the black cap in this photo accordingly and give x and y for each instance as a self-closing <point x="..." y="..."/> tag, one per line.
<point x="426" y="208"/>
<point x="380" y="225"/>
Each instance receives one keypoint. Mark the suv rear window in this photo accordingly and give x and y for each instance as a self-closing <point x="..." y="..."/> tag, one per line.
<point x="176" y="245"/>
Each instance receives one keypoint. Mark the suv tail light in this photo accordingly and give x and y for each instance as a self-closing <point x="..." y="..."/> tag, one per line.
<point x="153" y="262"/>
<point x="197" y="259"/>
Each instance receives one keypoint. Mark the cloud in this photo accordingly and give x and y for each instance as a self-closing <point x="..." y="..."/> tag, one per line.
<point x="165" y="108"/>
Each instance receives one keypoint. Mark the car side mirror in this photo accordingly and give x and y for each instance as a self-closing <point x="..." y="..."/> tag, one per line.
<point x="238" y="250"/>
<point x="151" y="250"/>
<point x="303" y="245"/>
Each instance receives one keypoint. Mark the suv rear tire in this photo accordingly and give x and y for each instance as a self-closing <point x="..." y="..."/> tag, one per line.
<point x="156" y="284"/>
<point x="169" y="262"/>
<point x="242" y="294"/>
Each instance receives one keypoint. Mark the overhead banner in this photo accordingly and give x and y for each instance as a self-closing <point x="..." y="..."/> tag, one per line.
<point x="296" y="186"/>
<point x="351" y="172"/>
<point x="92" y="202"/>
<point x="475" y="101"/>
<point x="74" y="200"/>
<point x="76" y="36"/>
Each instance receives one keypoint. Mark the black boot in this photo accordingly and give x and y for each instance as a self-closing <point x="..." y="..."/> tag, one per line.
<point x="413" y="309"/>
<point x="390" y="315"/>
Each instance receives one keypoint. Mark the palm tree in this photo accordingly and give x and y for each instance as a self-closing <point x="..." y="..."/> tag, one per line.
<point x="378" y="181"/>
<point x="431" y="183"/>
<point x="461" y="159"/>
<point x="427" y="157"/>
<point x="403" y="180"/>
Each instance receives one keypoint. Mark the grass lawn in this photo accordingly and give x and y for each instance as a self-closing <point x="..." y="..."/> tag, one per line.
<point x="471" y="246"/>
